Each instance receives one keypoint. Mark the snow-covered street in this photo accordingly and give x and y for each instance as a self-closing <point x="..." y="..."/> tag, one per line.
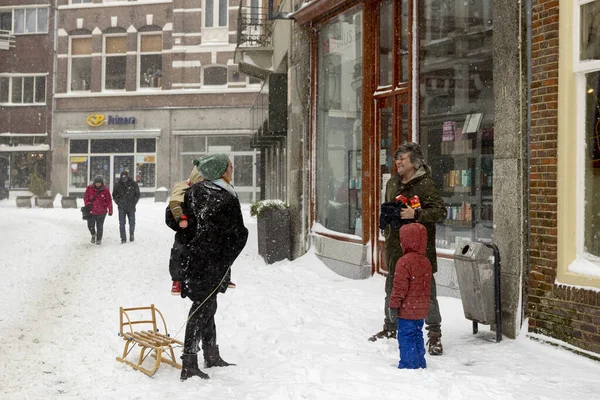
<point x="295" y="329"/>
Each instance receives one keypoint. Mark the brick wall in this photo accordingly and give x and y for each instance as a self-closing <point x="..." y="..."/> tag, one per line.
<point x="563" y="312"/>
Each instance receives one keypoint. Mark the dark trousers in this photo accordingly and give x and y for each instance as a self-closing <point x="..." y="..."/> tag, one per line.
<point x="131" y="217"/>
<point x="96" y="225"/>
<point x="411" y="344"/>
<point x="201" y="326"/>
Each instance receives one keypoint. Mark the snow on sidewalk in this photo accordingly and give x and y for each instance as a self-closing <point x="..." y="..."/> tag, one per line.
<point x="295" y="329"/>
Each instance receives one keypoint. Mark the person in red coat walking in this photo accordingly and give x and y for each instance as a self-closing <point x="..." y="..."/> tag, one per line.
<point x="410" y="295"/>
<point x="99" y="196"/>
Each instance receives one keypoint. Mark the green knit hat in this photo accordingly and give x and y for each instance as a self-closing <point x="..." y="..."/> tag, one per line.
<point x="212" y="166"/>
<point x="99" y="179"/>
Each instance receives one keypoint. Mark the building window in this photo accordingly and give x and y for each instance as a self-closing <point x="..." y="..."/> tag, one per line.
<point x="339" y="125"/>
<point x="23" y="90"/>
<point x="115" y="62"/>
<point x="150" y="60"/>
<point x="214" y="76"/>
<point x="215" y="11"/>
<point x="457" y="115"/>
<point x="26" y="20"/>
<point x="6" y="20"/>
<point x="587" y="170"/>
<point x="81" y="1"/>
<point x="23" y="166"/>
<point x="81" y="63"/>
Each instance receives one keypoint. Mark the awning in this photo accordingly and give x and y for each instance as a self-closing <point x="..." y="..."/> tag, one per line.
<point x="139" y="133"/>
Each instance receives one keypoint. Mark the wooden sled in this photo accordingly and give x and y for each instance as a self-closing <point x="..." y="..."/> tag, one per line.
<point x="158" y="345"/>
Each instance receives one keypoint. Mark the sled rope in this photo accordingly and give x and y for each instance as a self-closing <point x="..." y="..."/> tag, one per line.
<point x="203" y="301"/>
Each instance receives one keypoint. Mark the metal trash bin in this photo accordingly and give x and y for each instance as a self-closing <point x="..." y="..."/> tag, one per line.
<point x="475" y="273"/>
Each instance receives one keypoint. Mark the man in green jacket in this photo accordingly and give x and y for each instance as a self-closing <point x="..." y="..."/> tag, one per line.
<point x="413" y="179"/>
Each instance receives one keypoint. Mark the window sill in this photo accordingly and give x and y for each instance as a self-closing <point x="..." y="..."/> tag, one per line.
<point x="22" y="104"/>
<point x="29" y="33"/>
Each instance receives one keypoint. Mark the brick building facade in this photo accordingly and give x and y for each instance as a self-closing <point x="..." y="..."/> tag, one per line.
<point x="567" y="312"/>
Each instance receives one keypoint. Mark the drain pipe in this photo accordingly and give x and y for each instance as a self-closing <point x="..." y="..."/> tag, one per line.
<point x="528" y="19"/>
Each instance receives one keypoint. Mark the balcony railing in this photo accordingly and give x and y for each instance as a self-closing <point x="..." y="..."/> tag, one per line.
<point x="7" y="40"/>
<point x="254" y="27"/>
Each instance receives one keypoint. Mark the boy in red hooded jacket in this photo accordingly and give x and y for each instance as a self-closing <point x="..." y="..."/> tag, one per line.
<point x="410" y="295"/>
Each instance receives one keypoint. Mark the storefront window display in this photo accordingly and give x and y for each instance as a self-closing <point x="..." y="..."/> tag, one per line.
<point x="110" y="157"/>
<point x="457" y="114"/>
<point x="338" y="149"/>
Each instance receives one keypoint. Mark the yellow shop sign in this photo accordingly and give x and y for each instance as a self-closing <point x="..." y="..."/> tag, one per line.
<point x="95" y="120"/>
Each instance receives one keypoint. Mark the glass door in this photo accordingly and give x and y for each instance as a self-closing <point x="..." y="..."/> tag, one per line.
<point x="100" y="165"/>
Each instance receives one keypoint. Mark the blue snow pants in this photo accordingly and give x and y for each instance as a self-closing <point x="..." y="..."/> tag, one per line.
<point x="410" y="343"/>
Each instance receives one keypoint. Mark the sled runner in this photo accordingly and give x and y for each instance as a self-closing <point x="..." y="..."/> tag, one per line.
<point x="151" y="341"/>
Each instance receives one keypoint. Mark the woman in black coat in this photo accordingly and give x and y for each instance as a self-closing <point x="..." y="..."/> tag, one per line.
<point x="215" y="215"/>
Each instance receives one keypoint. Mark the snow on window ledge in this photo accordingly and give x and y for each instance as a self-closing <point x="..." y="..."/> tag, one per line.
<point x="588" y="265"/>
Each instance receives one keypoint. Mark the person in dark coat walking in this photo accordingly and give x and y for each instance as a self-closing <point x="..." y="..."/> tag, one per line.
<point x="413" y="179"/>
<point x="99" y="196"/>
<point x="410" y="295"/>
<point x="126" y="194"/>
<point x="214" y="213"/>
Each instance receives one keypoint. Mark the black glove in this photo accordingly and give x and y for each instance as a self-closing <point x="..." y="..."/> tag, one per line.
<point x="390" y="215"/>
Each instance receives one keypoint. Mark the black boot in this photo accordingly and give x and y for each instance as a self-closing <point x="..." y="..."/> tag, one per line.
<point x="212" y="358"/>
<point x="190" y="368"/>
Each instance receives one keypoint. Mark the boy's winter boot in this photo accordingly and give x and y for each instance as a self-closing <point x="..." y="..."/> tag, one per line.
<point x="176" y="288"/>
<point x="385" y="333"/>
<point x="212" y="358"/>
<point x="434" y="344"/>
<point x="189" y="367"/>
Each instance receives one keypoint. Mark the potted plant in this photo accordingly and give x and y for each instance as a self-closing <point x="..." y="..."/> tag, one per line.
<point x="273" y="226"/>
<point x="37" y="186"/>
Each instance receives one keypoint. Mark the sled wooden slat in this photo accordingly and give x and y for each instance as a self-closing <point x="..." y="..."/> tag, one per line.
<point x="157" y="344"/>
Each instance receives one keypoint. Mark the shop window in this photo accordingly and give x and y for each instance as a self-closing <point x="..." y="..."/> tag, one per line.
<point x="29" y="20"/>
<point x="115" y="62"/>
<point x="194" y="143"/>
<point x="591" y="170"/>
<point x="78" y="168"/>
<point x="145" y="170"/>
<point x="150" y="61"/>
<point x="214" y="76"/>
<point x="23" y="165"/>
<point x="78" y="146"/>
<point x="99" y="146"/>
<point x="457" y="114"/>
<point x="81" y="64"/>
<point x="146" y="146"/>
<point x="235" y="143"/>
<point x="339" y="131"/>
<point x="23" y="90"/>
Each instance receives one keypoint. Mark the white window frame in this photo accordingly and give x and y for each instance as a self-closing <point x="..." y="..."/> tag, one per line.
<point x="216" y="12"/>
<point x="105" y="56"/>
<point x="581" y="68"/>
<point x="25" y="9"/>
<point x="139" y="59"/>
<point x="204" y="68"/>
<point x="11" y="78"/>
<point x="71" y="56"/>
